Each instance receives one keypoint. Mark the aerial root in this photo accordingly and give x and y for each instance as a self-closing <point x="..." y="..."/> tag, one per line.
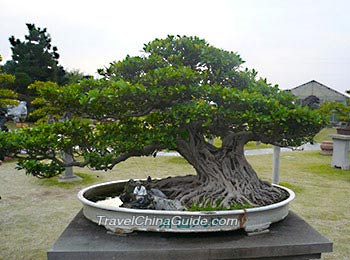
<point x="190" y="192"/>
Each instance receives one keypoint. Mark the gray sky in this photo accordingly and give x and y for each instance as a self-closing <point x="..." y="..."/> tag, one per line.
<point x="289" y="42"/>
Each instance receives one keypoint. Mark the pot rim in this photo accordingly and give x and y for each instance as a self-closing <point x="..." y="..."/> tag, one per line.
<point x="85" y="201"/>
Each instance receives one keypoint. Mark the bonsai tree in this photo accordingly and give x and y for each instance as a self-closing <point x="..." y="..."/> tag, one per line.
<point x="8" y="96"/>
<point x="334" y="108"/>
<point x="179" y="94"/>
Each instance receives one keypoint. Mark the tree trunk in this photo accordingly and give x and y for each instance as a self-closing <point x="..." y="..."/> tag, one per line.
<point x="224" y="177"/>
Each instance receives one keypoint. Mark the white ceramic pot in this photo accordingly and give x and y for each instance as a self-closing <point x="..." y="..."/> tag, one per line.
<point x="125" y="220"/>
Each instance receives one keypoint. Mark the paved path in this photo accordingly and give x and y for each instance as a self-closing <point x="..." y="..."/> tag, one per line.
<point x="305" y="147"/>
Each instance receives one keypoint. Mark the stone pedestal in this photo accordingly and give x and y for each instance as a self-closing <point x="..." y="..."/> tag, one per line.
<point x="68" y="178"/>
<point x="340" y="158"/>
<point x="68" y="175"/>
<point x="291" y="238"/>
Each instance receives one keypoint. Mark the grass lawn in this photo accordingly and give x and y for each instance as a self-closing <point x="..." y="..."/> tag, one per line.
<point x="35" y="212"/>
<point x="323" y="135"/>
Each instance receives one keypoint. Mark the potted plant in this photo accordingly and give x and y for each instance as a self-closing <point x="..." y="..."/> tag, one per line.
<point x="342" y="111"/>
<point x="177" y="96"/>
<point x="326" y="148"/>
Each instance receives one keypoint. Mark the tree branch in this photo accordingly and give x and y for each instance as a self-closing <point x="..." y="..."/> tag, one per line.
<point x="146" y="151"/>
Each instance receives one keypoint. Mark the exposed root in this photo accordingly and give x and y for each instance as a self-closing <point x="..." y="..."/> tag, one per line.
<point x="189" y="191"/>
<point x="224" y="176"/>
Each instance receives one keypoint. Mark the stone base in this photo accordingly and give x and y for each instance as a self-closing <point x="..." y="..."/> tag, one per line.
<point x="71" y="178"/>
<point x="291" y="238"/>
<point x="341" y="147"/>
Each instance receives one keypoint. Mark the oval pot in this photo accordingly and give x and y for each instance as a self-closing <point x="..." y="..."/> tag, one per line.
<point x="124" y="220"/>
<point x="343" y="131"/>
<point x="326" y="148"/>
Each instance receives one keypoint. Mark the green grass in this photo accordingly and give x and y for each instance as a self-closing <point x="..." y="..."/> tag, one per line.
<point x="248" y="146"/>
<point x="255" y="145"/>
<point x="179" y="160"/>
<point x="86" y="180"/>
<point x="323" y="135"/>
<point x="321" y="194"/>
<point x="11" y="125"/>
<point x="210" y="207"/>
<point x="296" y="188"/>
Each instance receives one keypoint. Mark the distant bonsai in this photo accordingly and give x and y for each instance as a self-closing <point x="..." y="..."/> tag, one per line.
<point x="311" y="101"/>
<point x="8" y="97"/>
<point x="342" y="111"/>
<point x="176" y="96"/>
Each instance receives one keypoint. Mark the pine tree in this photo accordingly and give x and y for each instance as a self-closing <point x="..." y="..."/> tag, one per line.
<point x="34" y="59"/>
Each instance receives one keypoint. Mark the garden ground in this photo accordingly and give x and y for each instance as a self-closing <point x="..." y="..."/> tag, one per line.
<point x="35" y="212"/>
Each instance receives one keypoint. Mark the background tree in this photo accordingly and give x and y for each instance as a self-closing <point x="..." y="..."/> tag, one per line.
<point x="74" y="76"/>
<point x="181" y="92"/>
<point x="311" y="101"/>
<point x="34" y="59"/>
<point x="342" y="111"/>
<point x="7" y="94"/>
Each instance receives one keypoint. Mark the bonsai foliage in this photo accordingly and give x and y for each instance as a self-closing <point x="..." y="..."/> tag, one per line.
<point x="7" y="94"/>
<point x="181" y="92"/>
<point x="339" y="109"/>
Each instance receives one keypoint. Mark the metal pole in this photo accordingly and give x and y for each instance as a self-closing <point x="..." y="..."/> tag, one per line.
<point x="276" y="164"/>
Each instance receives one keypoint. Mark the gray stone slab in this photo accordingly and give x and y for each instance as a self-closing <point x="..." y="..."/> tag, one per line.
<point x="291" y="238"/>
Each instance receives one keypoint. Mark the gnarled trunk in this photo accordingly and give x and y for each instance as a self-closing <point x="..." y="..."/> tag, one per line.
<point x="224" y="176"/>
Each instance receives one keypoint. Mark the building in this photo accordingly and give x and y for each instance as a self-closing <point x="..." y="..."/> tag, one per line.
<point x="324" y="93"/>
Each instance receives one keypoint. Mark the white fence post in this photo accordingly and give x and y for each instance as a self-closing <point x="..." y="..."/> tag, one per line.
<point x="276" y="164"/>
